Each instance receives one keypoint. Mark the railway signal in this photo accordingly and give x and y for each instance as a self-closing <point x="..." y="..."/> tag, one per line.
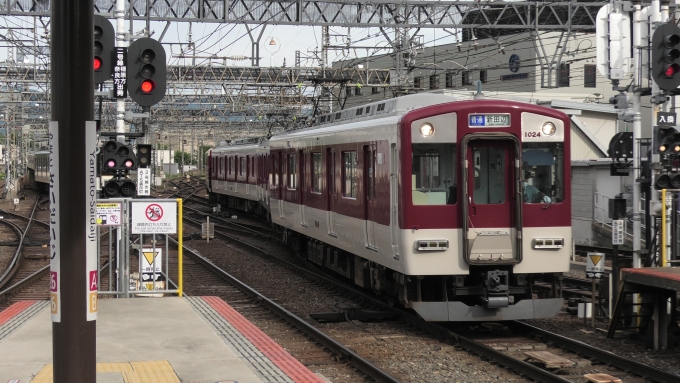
<point x="666" y="56"/>
<point x="666" y="140"/>
<point x="117" y="158"/>
<point x="120" y="186"/>
<point x="104" y="45"/>
<point x="146" y="72"/>
<point x="144" y="155"/>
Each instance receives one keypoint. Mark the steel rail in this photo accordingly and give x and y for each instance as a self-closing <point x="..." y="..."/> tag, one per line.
<point x="469" y="345"/>
<point x="480" y="349"/>
<point x="221" y="220"/>
<point x="611" y="359"/>
<point x="14" y="264"/>
<point x="362" y="364"/>
<point x="5" y="294"/>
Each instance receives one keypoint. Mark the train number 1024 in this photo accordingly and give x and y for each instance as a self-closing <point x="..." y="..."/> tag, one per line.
<point x="532" y="134"/>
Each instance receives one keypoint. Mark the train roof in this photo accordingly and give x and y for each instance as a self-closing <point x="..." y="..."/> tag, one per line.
<point x="242" y="144"/>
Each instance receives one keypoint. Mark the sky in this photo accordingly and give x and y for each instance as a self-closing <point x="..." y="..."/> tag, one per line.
<point x="232" y="40"/>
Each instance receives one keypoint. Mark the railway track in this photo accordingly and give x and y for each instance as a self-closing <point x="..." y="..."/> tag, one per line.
<point x="577" y="357"/>
<point x="31" y="279"/>
<point x="28" y="271"/>
<point x="202" y="277"/>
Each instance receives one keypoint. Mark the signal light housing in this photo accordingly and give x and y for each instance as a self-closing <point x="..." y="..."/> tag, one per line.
<point x="117" y="158"/>
<point x="663" y="181"/>
<point x="665" y="61"/>
<point x="119" y="187"/>
<point x="146" y="71"/>
<point x="104" y="45"/>
<point x="666" y="140"/>
<point x="144" y="155"/>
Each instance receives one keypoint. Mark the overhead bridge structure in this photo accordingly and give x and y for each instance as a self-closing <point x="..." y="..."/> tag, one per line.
<point x="559" y="15"/>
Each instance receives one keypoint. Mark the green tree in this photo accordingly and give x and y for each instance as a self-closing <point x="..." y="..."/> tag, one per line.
<point x="179" y="155"/>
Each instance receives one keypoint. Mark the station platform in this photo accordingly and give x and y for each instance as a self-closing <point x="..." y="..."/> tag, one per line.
<point x="153" y="340"/>
<point x="667" y="278"/>
<point x="659" y="286"/>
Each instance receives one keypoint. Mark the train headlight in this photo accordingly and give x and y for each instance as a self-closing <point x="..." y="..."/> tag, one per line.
<point x="548" y="129"/>
<point x="427" y="129"/>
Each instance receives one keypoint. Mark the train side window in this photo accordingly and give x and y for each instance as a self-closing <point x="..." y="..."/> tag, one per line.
<point x="317" y="175"/>
<point x="292" y="171"/>
<point x="433" y="174"/>
<point x="349" y="174"/>
<point x="242" y="167"/>
<point x="543" y="172"/>
<point x="232" y="165"/>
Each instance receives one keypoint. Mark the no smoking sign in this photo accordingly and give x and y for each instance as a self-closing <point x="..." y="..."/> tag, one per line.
<point x="154" y="217"/>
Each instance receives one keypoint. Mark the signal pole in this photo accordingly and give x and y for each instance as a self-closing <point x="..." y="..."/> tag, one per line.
<point x="120" y="42"/>
<point x="72" y="171"/>
<point x="637" y="132"/>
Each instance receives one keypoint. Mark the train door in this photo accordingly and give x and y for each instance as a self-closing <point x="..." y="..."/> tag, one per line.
<point x="277" y="173"/>
<point x="493" y="226"/>
<point x="301" y="189"/>
<point x="332" y="193"/>
<point x="369" y="195"/>
<point x="247" y="179"/>
<point x="394" y="201"/>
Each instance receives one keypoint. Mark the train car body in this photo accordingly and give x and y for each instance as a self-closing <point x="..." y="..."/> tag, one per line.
<point x="451" y="207"/>
<point x="238" y="175"/>
<point x="39" y="167"/>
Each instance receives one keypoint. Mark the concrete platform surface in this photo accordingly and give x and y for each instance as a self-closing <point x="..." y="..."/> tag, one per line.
<point x="149" y="340"/>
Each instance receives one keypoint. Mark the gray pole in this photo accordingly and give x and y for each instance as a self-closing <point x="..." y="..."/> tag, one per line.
<point x="637" y="134"/>
<point x="73" y="336"/>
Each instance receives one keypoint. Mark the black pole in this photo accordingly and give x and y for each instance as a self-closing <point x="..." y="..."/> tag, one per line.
<point x="649" y="223"/>
<point x="615" y="274"/>
<point x="73" y="336"/>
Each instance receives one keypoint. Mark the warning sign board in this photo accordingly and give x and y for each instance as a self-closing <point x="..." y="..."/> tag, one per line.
<point x="151" y="260"/>
<point x="618" y="232"/>
<point x="144" y="181"/>
<point x="109" y="213"/>
<point x="595" y="265"/>
<point x="154" y="217"/>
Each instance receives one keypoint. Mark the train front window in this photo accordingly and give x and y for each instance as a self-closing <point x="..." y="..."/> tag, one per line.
<point x="433" y="176"/>
<point x="543" y="172"/>
<point x="489" y="176"/>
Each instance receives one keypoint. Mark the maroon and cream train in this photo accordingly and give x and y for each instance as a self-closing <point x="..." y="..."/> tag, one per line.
<point x="451" y="207"/>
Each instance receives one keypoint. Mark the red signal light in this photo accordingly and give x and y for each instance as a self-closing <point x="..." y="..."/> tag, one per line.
<point x="672" y="70"/>
<point x="148" y="86"/>
<point x="111" y="164"/>
<point x="97" y="63"/>
<point x="128" y="163"/>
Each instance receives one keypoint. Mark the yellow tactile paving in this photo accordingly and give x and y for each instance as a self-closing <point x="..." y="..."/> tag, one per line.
<point x="154" y="371"/>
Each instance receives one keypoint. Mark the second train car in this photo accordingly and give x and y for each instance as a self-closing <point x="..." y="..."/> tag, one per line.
<point x="451" y="207"/>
